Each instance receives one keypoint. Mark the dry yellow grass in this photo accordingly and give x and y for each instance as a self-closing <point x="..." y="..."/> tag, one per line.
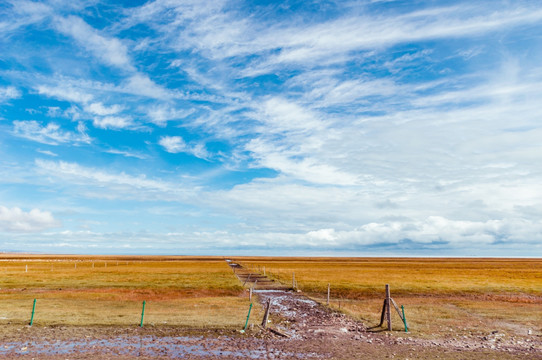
<point x="188" y="292"/>
<point x="441" y="296"/>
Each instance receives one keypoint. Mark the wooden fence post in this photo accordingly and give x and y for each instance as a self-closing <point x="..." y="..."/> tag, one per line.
<point x="247" y="279"/>
<point x="266" y="314"/>
<point x="328" y="290"/>
<point x="388" y="307"/>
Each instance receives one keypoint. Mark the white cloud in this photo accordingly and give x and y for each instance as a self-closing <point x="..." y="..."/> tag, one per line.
<point x="8" y="93"/>
<point x="111" y="51"/>
<point x="50" y="134"/>
<point x="161" y="114"/>
<point x="142" y="85"/>
<point x="176" y="144"/>
<point x="292" y="139"/>
<point x="122" y="185"/>
<point x="67" y="93"/>
<point x="98" y="108"/>
<point x="173" y="144"/>
<point x="282" y="115"/>
<point x="47" y="152"/>
<point x="298" y="164"/>
<point x="53" y="111"/>
<point x="218" y="34"/>
<point x="481" y="238"/>
<point x="456" y="233"/>
<point x="324" y="41"/>
<point x="128" y="154"/>
<point x="373" y="143"/>
<point x="112" y="122"/>
<point x="16" y="220"/>
<point x="23" y="13"/>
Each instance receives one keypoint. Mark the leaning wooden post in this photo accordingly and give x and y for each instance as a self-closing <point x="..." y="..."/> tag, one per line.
<point x="388" y="307"/>
<point x="396" y="308"/>
<point x="383" y="314"/>
<point x="328" y="290"/>
<point x="266" y="314"/>
<point x="250" y="294"/>
<point x="247" y="279"/>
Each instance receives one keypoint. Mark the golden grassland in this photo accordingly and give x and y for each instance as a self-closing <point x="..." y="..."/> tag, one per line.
<point x="81" y="290"/>
<point x="441" y="296"/>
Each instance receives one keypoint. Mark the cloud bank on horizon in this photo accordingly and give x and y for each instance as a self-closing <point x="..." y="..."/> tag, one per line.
<point x="291" y="128"/>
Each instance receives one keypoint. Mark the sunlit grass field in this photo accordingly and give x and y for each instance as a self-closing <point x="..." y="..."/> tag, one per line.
<point x="441" y="296"/>
<point x="179" y="291"/>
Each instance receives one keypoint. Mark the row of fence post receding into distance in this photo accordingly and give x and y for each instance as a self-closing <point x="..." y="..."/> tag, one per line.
<point x="82" y="262"/>
<point x="386" y="308"/>
<point x="385" y="314"/>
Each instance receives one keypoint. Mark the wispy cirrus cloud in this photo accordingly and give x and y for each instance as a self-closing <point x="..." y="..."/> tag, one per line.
<point x="119" y="184"/>
<point x="364" y="125"/>
<point x="19" y="14"/>
<point x="176" y="144"/>
<point x="66" y="92"/>
<point x="50" y="134"/>
<point x="160" y="114"/>
<point x="112" y="122"/>
<point x="109" y="50"/>
<point x="313" y="44"/>
<point x="98" y="108"/>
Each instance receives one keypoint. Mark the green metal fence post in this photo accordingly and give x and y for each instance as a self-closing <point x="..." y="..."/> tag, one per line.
<point x="33" y="310"/>
<point x="248" y="316"/>
<point x="142" y="313"/>
<point x="404" y="318"/>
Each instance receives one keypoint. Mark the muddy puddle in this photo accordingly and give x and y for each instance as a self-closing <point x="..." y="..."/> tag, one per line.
<point x="151" y="346"/>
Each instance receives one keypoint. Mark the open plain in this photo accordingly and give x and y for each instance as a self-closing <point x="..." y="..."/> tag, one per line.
<point x="195" y="307"/>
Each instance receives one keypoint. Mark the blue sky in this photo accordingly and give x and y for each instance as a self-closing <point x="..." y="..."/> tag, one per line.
<point x="271" y="128"/>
